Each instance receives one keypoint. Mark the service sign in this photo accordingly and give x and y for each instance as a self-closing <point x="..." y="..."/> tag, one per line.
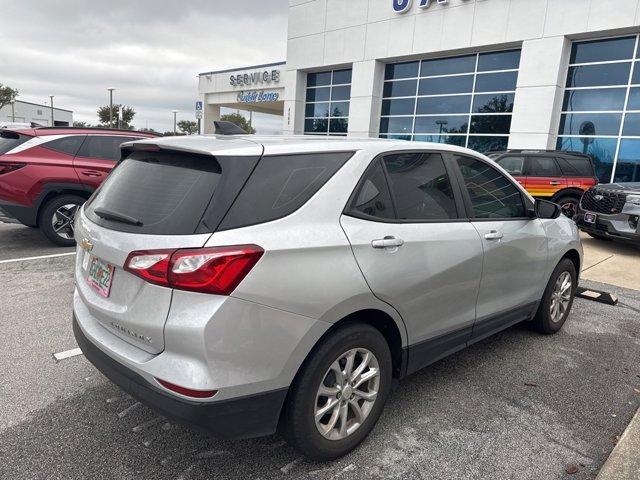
<point x="258" y="97"/>
<point x="255" y="78"/>
<point x="403" y="6"/>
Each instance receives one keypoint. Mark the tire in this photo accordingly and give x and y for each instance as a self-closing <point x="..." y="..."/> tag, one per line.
<point x="600" y="237"/>
<point x="304" y="400"/>
<point x="569" y="205"/>
<point x="54" y="213"/>
<point x="545" y="321"/>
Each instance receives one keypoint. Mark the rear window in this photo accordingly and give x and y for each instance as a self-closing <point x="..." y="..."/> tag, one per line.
<point x="280" y="185"/>
<point x="161" y="193"/>
<point x="576" y="167"/>
<point x="10" y="140"/>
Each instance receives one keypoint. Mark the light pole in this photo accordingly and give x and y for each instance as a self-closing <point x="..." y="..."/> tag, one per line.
<point x="13" y="111"/>
<point x="175" y="112"/>
<point x="53" y="123"/>
<point x="110" y="106"/>
<point x="441" y="123"/>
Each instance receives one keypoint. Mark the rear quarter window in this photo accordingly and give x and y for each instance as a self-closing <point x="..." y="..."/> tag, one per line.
<point x="280" y="185"/>
<point x="10" y="140"/>
<point x="576" y="167"/>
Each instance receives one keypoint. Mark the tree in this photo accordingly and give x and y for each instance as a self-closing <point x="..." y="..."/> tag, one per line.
<point x="82" y="124"/>
<point x="125" y="121"/>
<point x="7" y="95"/>
<point x="188" y="127"/>
<point x="238" y="120"/>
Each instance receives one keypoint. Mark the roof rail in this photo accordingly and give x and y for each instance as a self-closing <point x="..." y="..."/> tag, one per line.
<point x="99" y="129"/>
<point x="539" y="150"/>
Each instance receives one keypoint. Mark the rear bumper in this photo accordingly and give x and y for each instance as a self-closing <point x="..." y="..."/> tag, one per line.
<point x="244" y="417"/>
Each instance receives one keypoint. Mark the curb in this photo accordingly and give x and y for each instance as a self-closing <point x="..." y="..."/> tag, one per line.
<point x="624" y="461"/>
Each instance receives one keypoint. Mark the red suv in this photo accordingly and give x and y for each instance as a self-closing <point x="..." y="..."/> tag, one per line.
<point x="46" y="174"/>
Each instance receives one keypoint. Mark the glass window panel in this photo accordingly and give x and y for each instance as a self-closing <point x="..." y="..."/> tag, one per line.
<point x="317" y="110"/>
<point x="396" y="125"/>
<point x="442" y="85"/>
<point x="631" y="125"/>
<point x="628" y="167"/>
<point x="318" y="125"/>
<point x="499" y="61"/>
<point x="603" y="50"/>
<point x="420" y="187"/>
<point x="342" y="76"/>
<point x="401" y="70"/>
<point x="401" y="106"/>
<point x="543" y="167"/>
<point x="459" y="140"/>
<point x="594" y="99"/>
<point x="634" y="99"/>
<point x="488" y="144"/>
<point x="338" y="125"/>
<point x="496" y="82"/>
<point x="454" y="104"/>
<point x="490" y="124"/>
<point x="318" y="94"/>
<point x="493" y="103"/>
<point x="602" y="150"/>
<point x="341" y="93"/>
<point x="635" y="78"/>
<point x="599" y="75"/>
<point x="340" y="109"/>
<point x="373" y="198"/>
<point x="397" y="137"/>
<point x="513" y="165"/>
<point x="442" y="124"/>
<point x="318" y="79"/>
<point x="401" y="88"/>
<point x="590" y="124"/>
<point x="448" y="66"/>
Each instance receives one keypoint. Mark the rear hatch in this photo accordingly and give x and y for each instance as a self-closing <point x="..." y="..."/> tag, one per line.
<point x="152" y="200"/>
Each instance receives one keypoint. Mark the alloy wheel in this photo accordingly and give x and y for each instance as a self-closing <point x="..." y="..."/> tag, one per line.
<point x="62" y="220"/>
<point x="561" y="297"/>
<point x="347" y="394"/>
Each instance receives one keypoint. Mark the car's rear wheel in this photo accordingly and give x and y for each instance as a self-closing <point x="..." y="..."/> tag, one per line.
<point x="339" y="395"/>
<point x="57" y="217"/>
<point x="557" y="299"/>
<point x="568" y="205"/>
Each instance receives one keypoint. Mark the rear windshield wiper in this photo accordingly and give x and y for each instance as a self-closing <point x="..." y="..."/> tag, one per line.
<point x="116" y="217"/>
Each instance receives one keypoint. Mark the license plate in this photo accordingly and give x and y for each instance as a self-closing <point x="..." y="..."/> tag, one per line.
<point x="590" y="217"/>
<point x="100" y="276"/>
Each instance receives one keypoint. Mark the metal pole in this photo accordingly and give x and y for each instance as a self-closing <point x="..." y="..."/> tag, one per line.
<point x="199" y="122"/>
<point x="174" y="122"/>
<point x="53" y="123"/>
<point x="13" y="111"/>
<point x="111" y="106"/>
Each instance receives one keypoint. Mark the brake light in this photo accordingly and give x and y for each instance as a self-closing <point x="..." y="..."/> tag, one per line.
<point x="217" y="270"/>
<point x="187" y="392"/>
<point x="10" y="167"/>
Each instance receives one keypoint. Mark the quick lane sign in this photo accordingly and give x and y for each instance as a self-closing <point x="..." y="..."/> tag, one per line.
<point x="403" y="6"/>
<point x="258" y="97"/>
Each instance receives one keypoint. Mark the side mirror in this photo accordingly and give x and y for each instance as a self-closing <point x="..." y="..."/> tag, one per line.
<point x="547" y="210"/>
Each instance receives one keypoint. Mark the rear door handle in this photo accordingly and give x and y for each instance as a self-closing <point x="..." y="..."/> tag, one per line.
<point x="387" y="242"/>
<point x="554" y="182"/>
<point x="494" y="235"/>
<point x="91" y="173"/>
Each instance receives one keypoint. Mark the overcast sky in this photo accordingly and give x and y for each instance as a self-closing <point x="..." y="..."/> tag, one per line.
<point x="150" y="51"/>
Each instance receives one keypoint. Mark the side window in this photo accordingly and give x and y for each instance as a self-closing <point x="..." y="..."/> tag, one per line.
<point x="543" y="167"/>
<point x="420" y="186"/>
<point x="492" y="194"/>
<point x="373" y="198"/>
<point x="576" y="167"/>
<point x="280" y="184"/>
<point x="513" y="165"/>
<point x="103" y="147"/>
<point x="67" y="145"/>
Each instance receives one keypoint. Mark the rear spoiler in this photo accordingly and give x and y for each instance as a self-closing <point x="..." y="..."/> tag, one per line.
<point x="228" y="128"/>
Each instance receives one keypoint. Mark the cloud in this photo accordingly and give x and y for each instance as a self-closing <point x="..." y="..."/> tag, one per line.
<point x="150" y="51"/>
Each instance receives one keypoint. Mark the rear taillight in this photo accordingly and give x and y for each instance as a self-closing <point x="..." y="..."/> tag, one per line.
<point x="10" y="167"/>
<point x="217" y="270"/>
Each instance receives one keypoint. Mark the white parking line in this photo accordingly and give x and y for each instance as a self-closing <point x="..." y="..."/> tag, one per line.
<point x="68" y="354"/>
<point x="12" y="260"/>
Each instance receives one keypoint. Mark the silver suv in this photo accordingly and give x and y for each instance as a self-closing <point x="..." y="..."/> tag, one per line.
<point x="243" y="284"/>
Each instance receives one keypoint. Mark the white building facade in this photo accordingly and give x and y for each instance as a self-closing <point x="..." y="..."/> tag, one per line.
<point x="27" y="112"/>
<point x="486" y="74"/>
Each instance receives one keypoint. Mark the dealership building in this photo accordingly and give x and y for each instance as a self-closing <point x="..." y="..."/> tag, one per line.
<point x="485" y="74"/>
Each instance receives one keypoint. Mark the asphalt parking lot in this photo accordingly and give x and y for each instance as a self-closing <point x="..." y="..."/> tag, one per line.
<point x="518" y="405"/>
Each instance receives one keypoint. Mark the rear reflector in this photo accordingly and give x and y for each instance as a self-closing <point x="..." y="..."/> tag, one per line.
<point x="187" y="392"/>
<point x="216" y="270"/>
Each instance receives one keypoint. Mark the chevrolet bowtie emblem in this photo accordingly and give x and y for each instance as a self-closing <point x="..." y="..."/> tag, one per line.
<point x="86" y="244"/>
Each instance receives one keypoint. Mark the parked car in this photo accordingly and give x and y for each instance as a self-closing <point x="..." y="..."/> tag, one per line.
<point x="611" y="212"/>
<point x="47" y="173"/>
<point x="245" y="283"/>
<point x="558" y="176"/>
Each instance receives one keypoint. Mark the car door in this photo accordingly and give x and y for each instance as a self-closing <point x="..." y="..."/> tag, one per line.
<point x="417" y="251"/>
<point x="97" y="157"/>
<point x="544" y="177"/>
<point x="515" y="246"/>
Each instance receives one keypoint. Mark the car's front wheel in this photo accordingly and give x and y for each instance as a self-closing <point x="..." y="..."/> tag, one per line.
<point x="339" y="395"/>
<point x="57" y="217"/>
<point x="557" y="299"/>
